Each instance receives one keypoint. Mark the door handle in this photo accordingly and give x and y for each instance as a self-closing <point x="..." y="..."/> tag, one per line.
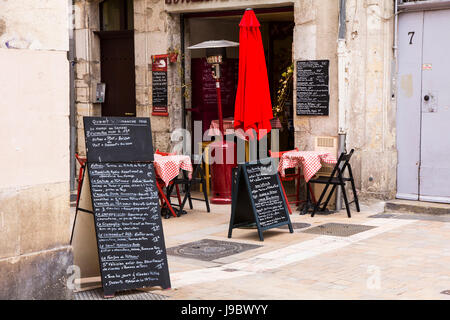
<point x="426" y="97"/>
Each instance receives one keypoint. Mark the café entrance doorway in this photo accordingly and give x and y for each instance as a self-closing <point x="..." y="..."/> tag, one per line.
<point x="277" y="26"/>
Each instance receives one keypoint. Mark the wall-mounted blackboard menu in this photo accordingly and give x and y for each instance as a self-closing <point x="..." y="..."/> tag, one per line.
<point x="159" y="85"/>
<point x="118" y="139"/>
<point x="127" y="218"/>
<point x="159" y="92"/>
<point x="257" y="197"/>
<point x="313" y="95"/>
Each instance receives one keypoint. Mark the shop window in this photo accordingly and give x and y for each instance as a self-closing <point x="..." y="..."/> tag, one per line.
<point x="116" y="15"/>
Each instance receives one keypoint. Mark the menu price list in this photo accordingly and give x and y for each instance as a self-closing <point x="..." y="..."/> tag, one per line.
<point x="312" y="87"/>
<point x="128" y="223"/>
<point x="118" y="139"/>
<point x="159" y="93"/>
<point x="266" y="194"/>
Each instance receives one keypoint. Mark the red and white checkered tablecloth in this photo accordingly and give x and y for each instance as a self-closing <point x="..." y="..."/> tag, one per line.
<point x="310" y="162"/>
<point x="168" y="167"/>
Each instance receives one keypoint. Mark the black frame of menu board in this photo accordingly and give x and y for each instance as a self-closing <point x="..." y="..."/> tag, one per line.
<point x="164" y="277"/>
<point x="243" y="209"/>
<point x="138" y="147"/>
<point x="136" y="153"/>
<point x="316" y="103"/>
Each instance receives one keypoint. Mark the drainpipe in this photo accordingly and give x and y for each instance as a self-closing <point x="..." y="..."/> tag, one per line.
<point x="72" y="117"/>
<point x="395" y="53"/>
<point x="183" y="82"/>
<point x="183" y="70"/>
<point x="342" y="101"/>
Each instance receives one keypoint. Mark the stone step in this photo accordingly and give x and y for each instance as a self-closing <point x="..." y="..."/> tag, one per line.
<point x="433" y="208"/>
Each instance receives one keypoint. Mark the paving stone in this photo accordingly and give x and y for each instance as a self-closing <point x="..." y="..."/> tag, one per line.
<point x="411" y="256"/>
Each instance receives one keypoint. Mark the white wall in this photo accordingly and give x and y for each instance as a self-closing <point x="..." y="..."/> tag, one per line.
<point x="34" y="24"/>
<point x="34" y="149"/>
<point x="34" y="125"/>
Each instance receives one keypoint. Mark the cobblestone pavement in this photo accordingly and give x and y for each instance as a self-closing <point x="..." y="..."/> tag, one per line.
<point x="404" y="256"/>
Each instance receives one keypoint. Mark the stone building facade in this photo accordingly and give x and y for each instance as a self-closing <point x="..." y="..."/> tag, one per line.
<point x="361" y="105"/>
<point x="51" y="62"/>
<point x="34" y="183"/>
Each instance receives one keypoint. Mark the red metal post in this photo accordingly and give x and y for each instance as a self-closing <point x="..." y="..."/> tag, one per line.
<point x="221" y="172"/>
<point x="219" y="106"/>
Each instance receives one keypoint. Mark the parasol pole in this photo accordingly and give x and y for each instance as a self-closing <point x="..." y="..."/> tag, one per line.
<point x="219" y="105"/>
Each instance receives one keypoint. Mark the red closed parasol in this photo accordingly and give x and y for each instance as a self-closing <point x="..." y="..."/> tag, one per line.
<point x="253" y="108"/>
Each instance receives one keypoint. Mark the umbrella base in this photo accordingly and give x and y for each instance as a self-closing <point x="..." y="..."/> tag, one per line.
<point x="220" y="200"/>
<point x="221" y="171"/>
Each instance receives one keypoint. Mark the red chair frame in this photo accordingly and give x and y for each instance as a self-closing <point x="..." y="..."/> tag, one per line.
<point x="160" y="184"/>
<point x="82" y="162"/>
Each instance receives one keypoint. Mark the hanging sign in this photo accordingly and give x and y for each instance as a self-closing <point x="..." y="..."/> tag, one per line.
<point x="257" y="198"/>
<point x="159" y="85"/>
<point x="313" y="95"/>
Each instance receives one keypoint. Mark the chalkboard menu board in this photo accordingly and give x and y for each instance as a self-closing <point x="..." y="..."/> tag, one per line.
<point x="159" y="85"/>
<point x="258" y="197"/>
<point x="128" y="224"/>
<point x="313" y="96"/>
<point x="159" y="91"/>
<point x="118" y="139"/>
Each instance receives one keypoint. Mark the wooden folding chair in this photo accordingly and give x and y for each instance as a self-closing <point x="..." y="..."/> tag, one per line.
<point x="337" y="179"/>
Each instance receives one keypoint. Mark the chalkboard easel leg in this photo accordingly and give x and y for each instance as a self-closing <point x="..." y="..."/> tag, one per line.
<point x="80" y="188"/>
<point x="291" y="230"/>
<point x="230" y="231"/>
<point x="260" y="235"/>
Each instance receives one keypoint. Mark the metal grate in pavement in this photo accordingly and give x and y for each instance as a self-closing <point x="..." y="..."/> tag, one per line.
<point x="209" y="250"/>
<point x="97" y="294"/>
<point x="338" y="229"/>
<point x="296" y="225"/>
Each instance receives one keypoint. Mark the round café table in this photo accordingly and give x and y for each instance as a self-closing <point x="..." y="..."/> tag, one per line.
<point x="309" y="161"/>
<point x="167" y="168"/>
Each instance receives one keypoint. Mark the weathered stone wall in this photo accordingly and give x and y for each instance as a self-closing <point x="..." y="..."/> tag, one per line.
<point x="34" y="162"/>
<point x="87" y="64"/>
<point x="155" y="31"/>
<point x="315" y="36"/>
<point x="371" y="112"/>
<point x="370" y="115"/>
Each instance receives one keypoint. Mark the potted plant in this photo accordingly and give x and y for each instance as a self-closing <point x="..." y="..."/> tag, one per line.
<point x="173" y="55"/>
<point x="283" y="93"/>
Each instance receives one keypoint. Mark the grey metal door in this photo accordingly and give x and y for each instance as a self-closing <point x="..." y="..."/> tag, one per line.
<point x="423" y="109"/>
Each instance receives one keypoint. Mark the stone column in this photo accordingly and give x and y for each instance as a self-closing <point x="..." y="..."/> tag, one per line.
<point x="87" y="64"/>
<point x="372" y="113"/>
<point x="34" y="185"/>
<point x="155" y="32"/>
<point x="315" y="36"/>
